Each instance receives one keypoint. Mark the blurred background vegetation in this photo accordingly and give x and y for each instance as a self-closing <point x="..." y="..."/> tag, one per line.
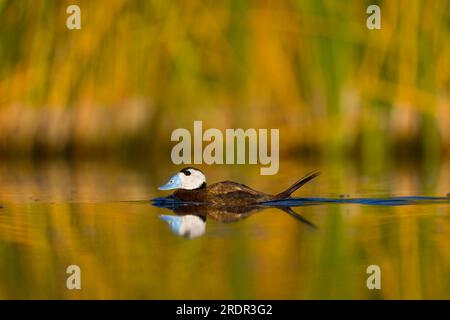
<point x="139" y="69"/>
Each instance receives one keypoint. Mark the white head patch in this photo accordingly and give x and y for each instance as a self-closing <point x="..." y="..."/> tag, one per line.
<point x="191" y="178"/>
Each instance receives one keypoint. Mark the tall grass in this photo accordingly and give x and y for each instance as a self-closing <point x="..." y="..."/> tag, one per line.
<point x="138" y="69"/>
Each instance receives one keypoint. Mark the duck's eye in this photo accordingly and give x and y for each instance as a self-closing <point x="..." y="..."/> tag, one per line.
<point x="171" y="181"/>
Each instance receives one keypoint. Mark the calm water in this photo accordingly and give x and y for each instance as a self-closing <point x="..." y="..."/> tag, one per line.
<point x="97" y="216"/>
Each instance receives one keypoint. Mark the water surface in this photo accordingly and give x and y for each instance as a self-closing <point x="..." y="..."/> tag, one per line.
<point x="98" y="216"/>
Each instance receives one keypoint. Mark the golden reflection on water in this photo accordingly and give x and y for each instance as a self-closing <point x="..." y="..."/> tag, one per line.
<point x="57" y="214"/>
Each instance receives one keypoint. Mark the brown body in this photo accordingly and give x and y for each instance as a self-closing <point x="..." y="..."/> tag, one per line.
<point x="223" y="193"/>
<point x="229" y="193"/>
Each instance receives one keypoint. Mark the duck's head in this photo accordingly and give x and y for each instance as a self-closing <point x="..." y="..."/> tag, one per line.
<point x="187" y="179"/>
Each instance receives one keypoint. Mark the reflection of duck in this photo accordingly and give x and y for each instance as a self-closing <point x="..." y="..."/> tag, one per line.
<point x="189" y="220"/>
<point x="188" y="226"/>
<point x="191" y="185"/>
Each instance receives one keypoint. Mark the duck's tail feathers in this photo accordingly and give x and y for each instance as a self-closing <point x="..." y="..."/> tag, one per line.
<point x="286" y="193"/>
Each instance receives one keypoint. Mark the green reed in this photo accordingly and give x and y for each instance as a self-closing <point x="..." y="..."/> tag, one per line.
<point x="137" y="70"/>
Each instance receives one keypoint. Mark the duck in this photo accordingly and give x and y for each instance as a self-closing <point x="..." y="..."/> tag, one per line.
<point x="190" y="185"/>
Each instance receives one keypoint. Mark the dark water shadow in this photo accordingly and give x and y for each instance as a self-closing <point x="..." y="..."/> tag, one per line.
<point x="189" y="219"/>
<point x="391" y="201"/>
